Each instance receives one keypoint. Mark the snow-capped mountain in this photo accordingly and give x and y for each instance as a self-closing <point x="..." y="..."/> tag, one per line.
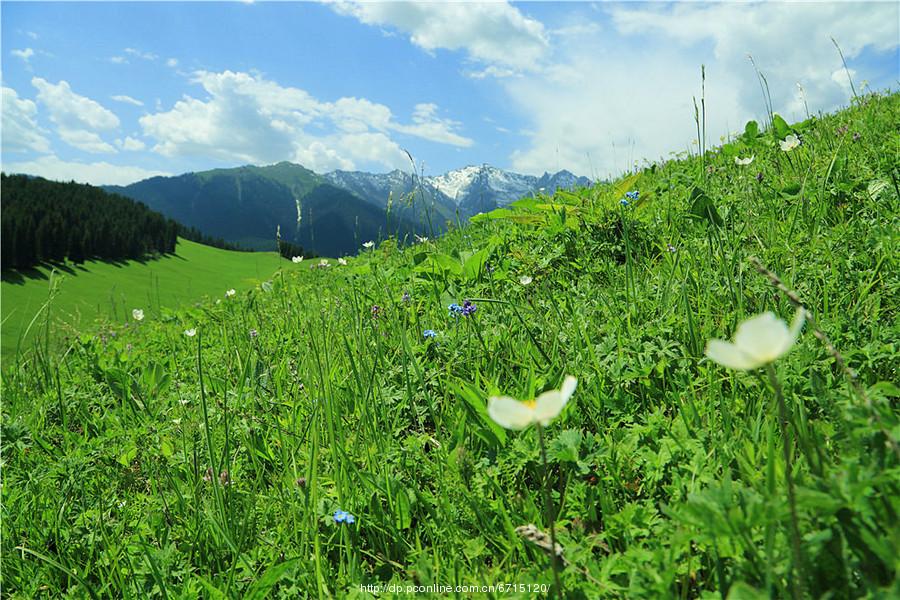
<point x="468" y="190"/>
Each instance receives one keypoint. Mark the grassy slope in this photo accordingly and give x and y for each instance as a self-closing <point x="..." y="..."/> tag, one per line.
<point x="667" y="470"/>
<point x="111" y="290"/>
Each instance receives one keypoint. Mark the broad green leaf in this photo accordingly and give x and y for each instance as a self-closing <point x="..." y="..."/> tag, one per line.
<point x="780" y="127"/>
<point x="702" y="207"/>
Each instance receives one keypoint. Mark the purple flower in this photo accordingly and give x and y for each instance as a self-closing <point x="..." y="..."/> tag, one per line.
<point x="759" y="177"/>
<point x="376" y="311"/>
<point x="671" y="248"/>
<point x="468" y="308"/>
<point x="253" y="333"/>
<point x="405" y="297"/>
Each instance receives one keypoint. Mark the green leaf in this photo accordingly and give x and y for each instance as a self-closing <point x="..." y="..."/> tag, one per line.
<point x="751" y="131"/>
<point x="262" y="586"/>
<point x="474" y="265"/>
<point x="566" y="446"/>
<point x="780" y="127"/>
<point x="702" y="207"/>
<point x="476" y="402"/>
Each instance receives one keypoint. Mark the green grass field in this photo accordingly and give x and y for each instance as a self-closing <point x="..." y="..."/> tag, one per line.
<point x="109" y="291"/>
<point x="334" y="433"/>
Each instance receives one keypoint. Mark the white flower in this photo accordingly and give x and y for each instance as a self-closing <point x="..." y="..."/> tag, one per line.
<point x="297" y="260"/>
<point x="421" y="239"/>
<point x="266" y="286"/>
<point x="789" y="143"/>
<point x="190" y="332"/>
<point x="342" y="262"/>
<point x="743" y="161"/>
<point x="368" y="244"/>
<point x="525" y="279"/>
<point x="230" y="293"/>
<point x="757" y="342"/>
<point x="513" y="414"/>
<point x="138" y="314"/>
<point x="324" y="263"/>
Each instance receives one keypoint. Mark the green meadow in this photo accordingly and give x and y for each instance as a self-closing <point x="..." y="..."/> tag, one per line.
<point x="337" y="433"/>
<point x="108" y="291"/>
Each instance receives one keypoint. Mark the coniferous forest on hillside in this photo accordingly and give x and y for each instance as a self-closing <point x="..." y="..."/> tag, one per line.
<point x="49" y="221"/>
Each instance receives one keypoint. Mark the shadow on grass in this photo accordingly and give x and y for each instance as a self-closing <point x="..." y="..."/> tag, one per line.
<point x="20" y="276"/>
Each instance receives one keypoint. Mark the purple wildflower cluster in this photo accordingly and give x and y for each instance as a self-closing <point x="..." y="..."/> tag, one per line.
<point x="468" y="308"/>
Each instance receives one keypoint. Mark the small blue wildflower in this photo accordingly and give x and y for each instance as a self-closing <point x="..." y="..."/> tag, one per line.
<point x="468" y="308"/>
<point x="429" y="333"/>
<point x="342" y="516"/>
<point x="623" y="202"/>
<point x="405" y="297"/>
<point x="671" y="248"/>
<point x="633" y="195"/>
<point x="455" y="309"/>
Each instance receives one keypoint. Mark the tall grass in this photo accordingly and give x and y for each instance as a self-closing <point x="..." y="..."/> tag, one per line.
<point x="153" y="464"/>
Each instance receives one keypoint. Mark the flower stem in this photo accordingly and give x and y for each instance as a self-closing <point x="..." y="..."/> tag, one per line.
<point x="548" y="506"/>
<point x="783" y="417"/>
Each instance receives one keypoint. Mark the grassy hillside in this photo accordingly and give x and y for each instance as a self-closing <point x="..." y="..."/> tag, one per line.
<point x="110" y="291"/>
<point x="229" y="464"/>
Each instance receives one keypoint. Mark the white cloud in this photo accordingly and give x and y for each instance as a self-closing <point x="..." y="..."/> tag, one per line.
<point x="130" y="143"/>
<point x="426" y="124"/>
<point x="97" y="173"/>
<point x="25" y="54"/>
<point x="139" y="54"/>
<point x="614" y="99"/>
<point x="87" y="141"/>
<point x="172" y="62"/>
<point x="127" y="100"/>
<point x="21" y="132"/>
<point x="489" y="32"/>
<point x="118" y="60"/>
<point x="77" y="117"/>
<point x="32" y="35"/>
<point x="247" y="118"/>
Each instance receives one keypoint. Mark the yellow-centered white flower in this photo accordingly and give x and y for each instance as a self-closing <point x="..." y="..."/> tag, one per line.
<point x="190" y="332"/>
<point x="757" y="342"/>
<point x="789" y="143"/>
<point x="230" y="293"/>
<point x="342" y="262"/>
<point x="297" y="260"/>
<point x="138" y="314"/>
<point x="514" y="414"/>
<point x="525" y="279"/>
<point x="368" y="244"/>
<point x="743" y="162"/>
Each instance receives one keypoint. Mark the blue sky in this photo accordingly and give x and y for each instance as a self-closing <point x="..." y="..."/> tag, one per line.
<point x="114" y="92"/>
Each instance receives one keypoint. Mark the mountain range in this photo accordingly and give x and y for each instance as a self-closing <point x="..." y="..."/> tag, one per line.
<point x="332" y="214"/>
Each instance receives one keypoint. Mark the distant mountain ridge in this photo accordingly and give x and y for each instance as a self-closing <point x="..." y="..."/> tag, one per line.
<point x="471" y="189"/>
<point x="332" y="214"/>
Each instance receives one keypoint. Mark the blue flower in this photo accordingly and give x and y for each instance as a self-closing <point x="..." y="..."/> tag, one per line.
<point x="455" y="309"/>
<point x="468" y="308"/>
<point x="429" y="333"/>
<point x="342" y="516"/>
<point x="632" y="195"/>
<point x="623" y="202"/>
